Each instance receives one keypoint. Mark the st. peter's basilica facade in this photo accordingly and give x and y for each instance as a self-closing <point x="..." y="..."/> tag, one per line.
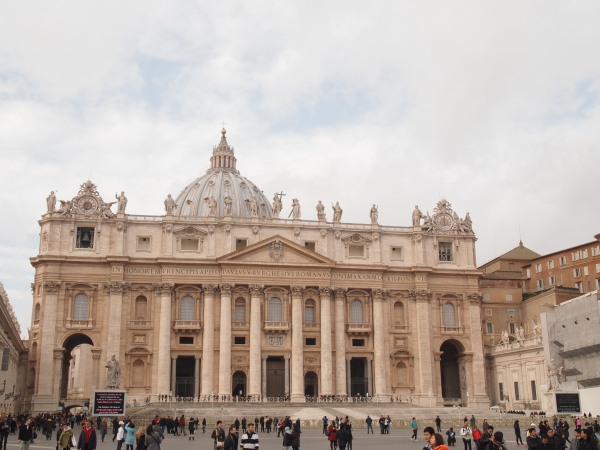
<point x="221" y="296"/>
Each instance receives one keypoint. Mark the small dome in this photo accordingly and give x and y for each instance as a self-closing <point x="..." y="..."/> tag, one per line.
<point x="221" y="183"/>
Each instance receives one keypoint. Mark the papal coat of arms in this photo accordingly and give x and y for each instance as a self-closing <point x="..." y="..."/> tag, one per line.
<point x="276" y="251"/>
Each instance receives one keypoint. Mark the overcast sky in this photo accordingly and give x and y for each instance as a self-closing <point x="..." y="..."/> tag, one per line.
<point x="491" y="105"/>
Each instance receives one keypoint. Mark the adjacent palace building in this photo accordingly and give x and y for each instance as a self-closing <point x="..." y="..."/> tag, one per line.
<point x="221" y="296"/>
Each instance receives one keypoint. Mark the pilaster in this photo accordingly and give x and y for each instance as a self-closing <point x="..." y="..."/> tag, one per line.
<point x="165" y="291"/>
<point x="378" y="335"/>
<point x="254" y="385"/>
<point x="326" y="382"/>
<point x="340" y="342"/>
<point x="297" y="385"/>
<point x="225" y="341"/>
<point x="114" y="290"/>
<point x="208" y="340"/>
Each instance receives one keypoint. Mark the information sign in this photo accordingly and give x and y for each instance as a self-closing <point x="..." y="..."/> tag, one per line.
<point x="109" y="402"/>
<point x="567" y="403"/>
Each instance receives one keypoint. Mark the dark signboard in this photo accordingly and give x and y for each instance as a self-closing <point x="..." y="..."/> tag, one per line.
<point x="109" y="402"/>
<point x="567" y="403"/>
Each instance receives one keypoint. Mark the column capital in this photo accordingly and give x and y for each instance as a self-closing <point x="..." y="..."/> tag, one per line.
<point x="226" y="289"/>
<point x="116" y="287"/>
<point x="340" y="293"/>
<point x="51" y="286"/>
<point x="256" y="290"/>
<point x="378" y="295"/>
<point x="296" y="290"/>
<point x="163" y="288"/>
<point x="209" y="289"/>
<point x="420" y="295"/>
<point x="325" y="291"/>
<point x="475" y="298"/>
<point x="59" y="354"/>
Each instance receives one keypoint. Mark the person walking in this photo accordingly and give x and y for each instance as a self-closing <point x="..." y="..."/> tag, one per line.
<point x="296" y="435"/>
<point x="325" y="420"/>
<point x="467" y="434"/>
<point x="249" y="440"/>
<point x="129" y="435"/>
<point x="192" y="429"/>
<point x="65" y="436"/>
<point x="140" y="439"/>
<point x="517" y="428"/>
<point x="332" y="437"/>
<point x="203" y="425"/>
<point x="231" y="441"/>
<point x="103" y="428"/>
<point x="342" y="437"/>
<point x="152" y="439"/>
<point x="120" y="435"/>
<point x="218" y="436"/>
<point x="415" y="428"/>
<point x="4" y="431"/>
<point x="26" y="434"/>
<point x="87" y="437"/>
<point x="369" y="423"/>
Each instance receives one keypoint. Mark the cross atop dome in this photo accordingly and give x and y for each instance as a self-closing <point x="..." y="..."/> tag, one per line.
<point x="223" y="156"/>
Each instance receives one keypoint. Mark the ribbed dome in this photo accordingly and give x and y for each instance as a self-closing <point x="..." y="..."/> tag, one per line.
<point x="221" y="181"/>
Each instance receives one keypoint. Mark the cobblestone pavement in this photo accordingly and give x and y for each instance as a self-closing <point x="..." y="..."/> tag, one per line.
<point x="311" y="439"/>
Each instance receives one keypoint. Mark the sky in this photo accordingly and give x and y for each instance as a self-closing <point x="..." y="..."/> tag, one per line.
<point x="492" y="105"/>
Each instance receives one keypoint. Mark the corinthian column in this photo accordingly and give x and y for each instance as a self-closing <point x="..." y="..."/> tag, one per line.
<point x="114" y="290"/>
<point x="256" y="293"/>
<point x="326" y="382"/>
<point x="479" y="396"/>
<point x="165" y="290"/>
<point x="225" y="341"/>
<point x="208" y="340"/>
<point x="423" y="356"/>
<point x="340" y="342"/>
<point x="297" y="394"/>
<point x="378" y="336"/>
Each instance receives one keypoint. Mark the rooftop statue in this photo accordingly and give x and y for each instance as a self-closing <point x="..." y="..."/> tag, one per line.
<point x="337" y="212"/>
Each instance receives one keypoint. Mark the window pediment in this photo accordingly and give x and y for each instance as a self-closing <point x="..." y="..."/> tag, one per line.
<point x="356" y="238"/>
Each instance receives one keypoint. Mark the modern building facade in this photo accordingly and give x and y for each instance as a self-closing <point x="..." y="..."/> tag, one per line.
<point x="221" y="296"/>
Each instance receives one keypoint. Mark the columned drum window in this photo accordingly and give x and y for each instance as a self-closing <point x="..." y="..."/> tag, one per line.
<point x="275" y="309"/>
<point x="81" y="307"/>
<point x="309" y="311"/>
<point x="187" y="308"/>
<point x="356" y="311"/>
<point x="449" y="315"/>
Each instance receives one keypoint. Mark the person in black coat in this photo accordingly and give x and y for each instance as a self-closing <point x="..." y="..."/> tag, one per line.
<point x="26" y="434"/>
<point x="231" y="441"/>
<point x="87" y="437"/>
<point x="342" y="437"/>
<point x="533" y="440"/>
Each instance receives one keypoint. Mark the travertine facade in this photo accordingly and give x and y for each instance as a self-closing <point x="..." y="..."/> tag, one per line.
<point x="220" y="296"/>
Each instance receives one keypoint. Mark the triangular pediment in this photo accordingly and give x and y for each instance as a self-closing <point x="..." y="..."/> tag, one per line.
<point x="276" y="250"/>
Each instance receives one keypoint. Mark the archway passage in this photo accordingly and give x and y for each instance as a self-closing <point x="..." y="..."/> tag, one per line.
<point x="359" y="381"/>
<point x="449" y="370"/>
<point x="239" y="384"/>
<point x="70" y="343"/>
<point x="184" y="376"/>
<point x="275" y="376"/>
<point x="311" y="384"/>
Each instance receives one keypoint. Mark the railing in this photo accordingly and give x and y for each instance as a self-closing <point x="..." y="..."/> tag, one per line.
<point x="358" y="328"/>
<point x="140" y="323"/>
<point x="276" y="326"/>
<point x="401" y="328"/>
<point x="79" y="324"/>
<point x="187" y="325"/>
<point x="312" y="325"/>
<point x="239" y="325"/>
<point x="453" y="330"/>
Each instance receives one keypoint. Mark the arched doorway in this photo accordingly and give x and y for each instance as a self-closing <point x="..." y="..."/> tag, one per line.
<point x="450" y="372"/>
<point x="311" y="384"/>
<point x="74" y="371"/>
<point x="238" y="384"/>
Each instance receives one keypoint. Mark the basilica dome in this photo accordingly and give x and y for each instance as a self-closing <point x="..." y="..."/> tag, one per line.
<point x="222" y="191"/>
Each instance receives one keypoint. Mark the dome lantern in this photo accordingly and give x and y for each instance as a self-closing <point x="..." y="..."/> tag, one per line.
<point x="223" y="157"/>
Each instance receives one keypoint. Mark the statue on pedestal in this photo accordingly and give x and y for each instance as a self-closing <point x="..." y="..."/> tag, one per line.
<point x="212" y="206"/>
<point x="554" y="376"/>
<point x="121" y="202"/>
<point x="113" y="373"/>
<point x="276" y="206"/>
<point x="417" y="215"/>
<point x="228" y="202"/>
<point x="51" y="202"/>
<point x="374" y="215"/>
<point x="169" y="204"/>
<point x="337" y="212"/>
<point x="504" y="338"/>
<point x="295" y="209"/>
<point x="321" y="211"/>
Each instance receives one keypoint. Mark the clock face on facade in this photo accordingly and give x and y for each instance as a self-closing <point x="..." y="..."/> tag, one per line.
<point x="87" y="205"/>
<point x="444" y="221"/>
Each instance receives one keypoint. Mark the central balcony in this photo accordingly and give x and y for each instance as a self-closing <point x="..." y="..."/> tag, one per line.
<point x="359" y="329"/>
<point x="276" y="327"/>
<point x="186" y="326"/>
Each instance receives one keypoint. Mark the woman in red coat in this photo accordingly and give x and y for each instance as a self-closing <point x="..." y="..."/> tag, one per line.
<point x="332" y="437"/>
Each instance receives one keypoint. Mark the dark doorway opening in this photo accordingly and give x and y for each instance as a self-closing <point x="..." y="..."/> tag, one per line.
<point x="311" y="384"/>
<point x="75" y="340"/>
<point x="184" y="376"/>
<point x="275" y="376"/>
<point x="358" y="377"/>
<point x="239" y="384"/>
<point x="449" y="370"/>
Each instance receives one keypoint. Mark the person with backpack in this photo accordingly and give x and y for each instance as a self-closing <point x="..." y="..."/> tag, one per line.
<point x="218" y="436"/>
<point x="467" y="434"/>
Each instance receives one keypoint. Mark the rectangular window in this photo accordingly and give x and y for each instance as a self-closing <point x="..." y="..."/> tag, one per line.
<point x="577" y="272"/>
<point x="445" y="251"/>
<point x="508" y="297"/>
<point x="597" y="268"/>
<point x="579" y="286"/>
<point x="311" y="341"/>
<point x="538" y="268"/>
<point x="540" y="284"/>
<point x="551" y="264"/>
<point x="562" y="261"/>
<point x="584" y="253"/>
<point x="241" y="244"/>
<point x="190" y="245"/>
<point x="356" y="250"/>
<point x="5" y="359"/>
<point x="186" y="340"/>
<point x="501" y="391"/>
<point x="512" y="328"/>
<point x="85" y="237"/>
<point x="489" y="328"/>
<point x="239" y="340"/>
<point x="239" y="313"/>
<point x="586" y="271"/>
<point x="517" y="397"/>
<point x="310" y="246"/>
<point x="533" y="391"/>
<point x="596" y="250"/>
<point x="309" y="314"/>
<point x="143" y="244"/>
<point x="358" y="342"/>
<point x="396" y="254"/>
<point x="574" y="256"/>
<point x="552" y="281"/>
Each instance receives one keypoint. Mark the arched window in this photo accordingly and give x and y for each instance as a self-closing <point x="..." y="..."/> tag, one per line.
<point x="275" y="310"/>
<point x="356" y="311"/>
<point x="309" y="311"/>
<point x="137" y="375"/>
<point x="399" y="314"/>
<point x="141" y="304"/>
<point x="187" y="308"/>
<point x="239" y="310"/>
<point x="81" y="307"/>
<point x="449" y="315"/>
